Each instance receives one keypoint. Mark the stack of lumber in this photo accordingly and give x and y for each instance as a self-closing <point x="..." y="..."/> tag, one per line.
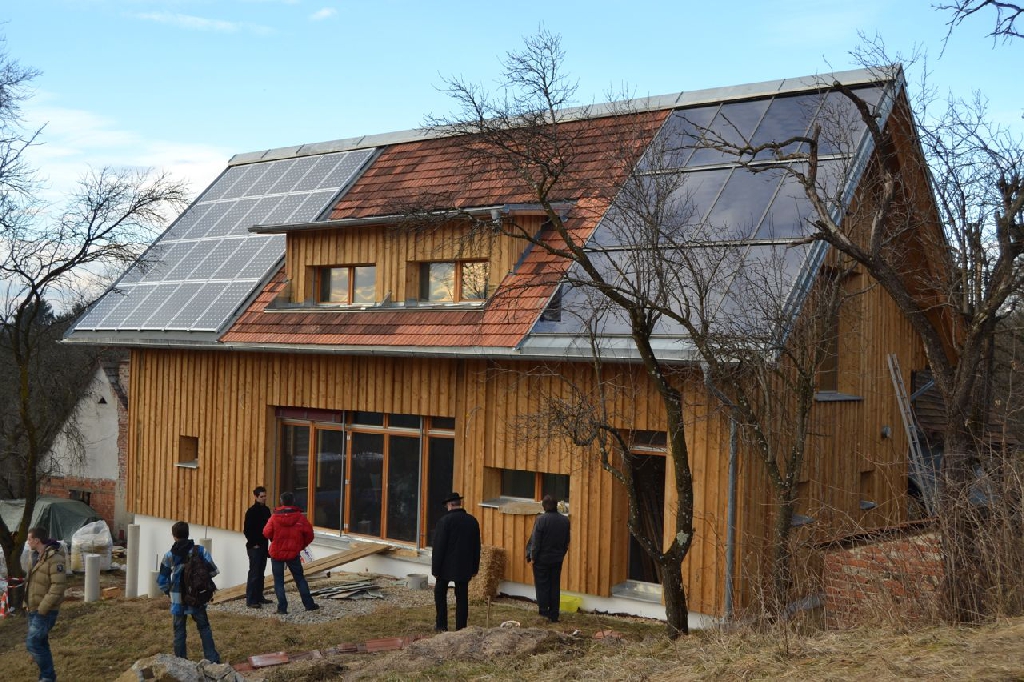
<point x="355" y="589"/>
<point x="356" y="551"/>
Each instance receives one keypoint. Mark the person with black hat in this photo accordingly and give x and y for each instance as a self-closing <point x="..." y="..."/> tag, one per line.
<point x="455" y="558"/>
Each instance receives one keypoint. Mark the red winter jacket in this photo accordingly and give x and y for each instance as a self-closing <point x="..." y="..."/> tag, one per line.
<point x="289" y="532"/>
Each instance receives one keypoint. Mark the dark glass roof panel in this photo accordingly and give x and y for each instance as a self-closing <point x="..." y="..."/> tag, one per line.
<point x="733" y="125"/>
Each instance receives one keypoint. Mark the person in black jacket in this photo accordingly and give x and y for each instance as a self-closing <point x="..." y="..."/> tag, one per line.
<point x="455" y="558"/>
<point x="546" y="549"/>
<point x="256" y="545"/>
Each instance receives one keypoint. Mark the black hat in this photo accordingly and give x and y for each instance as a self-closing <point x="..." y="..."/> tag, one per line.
<point x="454" y="497"/>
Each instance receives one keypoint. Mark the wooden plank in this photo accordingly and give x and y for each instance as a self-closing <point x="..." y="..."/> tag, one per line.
<point x="357" y="551"/>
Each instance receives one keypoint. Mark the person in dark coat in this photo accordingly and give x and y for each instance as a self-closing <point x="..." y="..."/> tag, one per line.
<point x="455" y="558"/>
<point x="289" y="532"/>
<point x="546" y="549"/>
<point x="257" y="546"/>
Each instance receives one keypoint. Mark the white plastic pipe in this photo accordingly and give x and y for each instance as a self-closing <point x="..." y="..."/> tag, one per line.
<point x="154" y="586"/>
<point x="131" y="576"/>
<point x="207" y="544"/>
<point x="92" y="577"/>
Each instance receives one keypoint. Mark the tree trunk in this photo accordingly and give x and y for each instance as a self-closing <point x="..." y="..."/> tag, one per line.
<point x="781" y="566"/>
<point x="677" y="612"/>
<point x="964" y="580"/>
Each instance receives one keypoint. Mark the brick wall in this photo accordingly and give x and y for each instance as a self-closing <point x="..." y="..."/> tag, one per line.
<point x="102" y="494"/>
<point x="891" y="579"/>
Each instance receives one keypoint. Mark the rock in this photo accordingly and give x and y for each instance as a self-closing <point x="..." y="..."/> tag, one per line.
<point x="168" y="668"/>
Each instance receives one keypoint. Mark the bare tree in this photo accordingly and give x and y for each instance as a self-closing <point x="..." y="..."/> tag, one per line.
<point x="54" y="257"/>
<point x="654" y="270"/>
<point x="1007" y="14"/>
<point x="941" y="231"/>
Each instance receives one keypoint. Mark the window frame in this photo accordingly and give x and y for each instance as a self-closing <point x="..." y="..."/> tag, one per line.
<point x="538" y="485"/>
<point x="322" y="275"/>
<point x="346" y="423"/>
<point x="458" y="284"/>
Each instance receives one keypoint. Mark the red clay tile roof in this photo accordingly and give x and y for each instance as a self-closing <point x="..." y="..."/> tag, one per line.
<point x="447" y="173"/>
<point x="435" y="174"/>
<point x="502" y="323"/>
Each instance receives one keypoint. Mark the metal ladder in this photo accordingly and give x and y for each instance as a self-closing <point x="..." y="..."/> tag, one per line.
<point x="917" y="460"/>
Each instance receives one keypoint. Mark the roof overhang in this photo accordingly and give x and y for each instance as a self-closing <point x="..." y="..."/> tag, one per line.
<point x="495" y="212"/>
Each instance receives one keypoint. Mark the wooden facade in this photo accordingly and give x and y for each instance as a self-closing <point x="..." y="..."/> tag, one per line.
<point x="206" y="421"/>
<point x="227" y="401"/>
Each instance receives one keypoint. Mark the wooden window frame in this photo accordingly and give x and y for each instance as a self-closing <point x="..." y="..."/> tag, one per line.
<point x="425" y="433"/>
<point x="538" y="484"/>
<point x="457" y="287"/>
<point x="188" y="452"/>
<point x="322" y="274"/>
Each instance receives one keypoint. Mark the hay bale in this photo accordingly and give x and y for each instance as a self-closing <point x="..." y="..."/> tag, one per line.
<point x="492" y="570"/>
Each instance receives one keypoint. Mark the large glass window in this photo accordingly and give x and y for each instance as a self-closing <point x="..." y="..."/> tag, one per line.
<point x="349" y="284"/>
<point x="367" y="483"/>
<point x="294" y="459"/>
<point x="330" y="478"/>
<point x="372" y="474"/>
<point x="454" y="281"/>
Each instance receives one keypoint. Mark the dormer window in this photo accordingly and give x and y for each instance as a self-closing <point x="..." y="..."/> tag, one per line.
<point x="453" y="281"/>
<point x="346" y="285"/>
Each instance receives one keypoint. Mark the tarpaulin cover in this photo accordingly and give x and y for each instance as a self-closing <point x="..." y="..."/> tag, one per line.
<point x="59" y="515"/>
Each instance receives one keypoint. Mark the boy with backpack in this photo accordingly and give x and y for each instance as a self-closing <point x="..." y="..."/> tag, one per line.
<point x="186" y="574"/>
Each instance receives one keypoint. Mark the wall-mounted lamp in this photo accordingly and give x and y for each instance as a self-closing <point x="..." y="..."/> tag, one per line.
<point x="886" y="431"/>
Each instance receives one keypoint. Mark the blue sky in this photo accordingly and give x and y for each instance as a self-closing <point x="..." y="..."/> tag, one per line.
<point x="183" y="85"/>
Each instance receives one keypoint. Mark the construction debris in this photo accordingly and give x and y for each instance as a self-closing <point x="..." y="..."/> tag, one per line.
<point x="357" y="589"/>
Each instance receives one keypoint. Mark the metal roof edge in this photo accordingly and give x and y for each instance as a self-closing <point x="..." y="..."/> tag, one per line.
<point x="636" y="105"/>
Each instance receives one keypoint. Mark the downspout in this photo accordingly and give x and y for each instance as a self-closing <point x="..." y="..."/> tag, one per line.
<point x="730" y="535"/>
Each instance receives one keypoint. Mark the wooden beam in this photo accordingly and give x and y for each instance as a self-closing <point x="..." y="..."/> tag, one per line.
<point x="356" y="551"/>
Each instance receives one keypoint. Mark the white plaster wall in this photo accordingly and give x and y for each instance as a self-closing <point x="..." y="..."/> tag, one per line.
<point x="98" y="424"/>
<point x="229" y="554"/>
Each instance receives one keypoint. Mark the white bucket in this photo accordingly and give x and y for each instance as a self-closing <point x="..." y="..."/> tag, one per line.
<point x="416" y="581"/>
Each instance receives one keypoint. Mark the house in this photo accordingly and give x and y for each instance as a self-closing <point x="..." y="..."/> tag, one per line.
<point x="297" y="329"/>
<point x="96" y="476"/>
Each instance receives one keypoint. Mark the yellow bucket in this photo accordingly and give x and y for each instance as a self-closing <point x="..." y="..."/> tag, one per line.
<point x="570" y="603"/>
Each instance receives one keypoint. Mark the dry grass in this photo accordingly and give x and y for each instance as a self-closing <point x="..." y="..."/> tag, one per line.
<point x="98" y="641"/>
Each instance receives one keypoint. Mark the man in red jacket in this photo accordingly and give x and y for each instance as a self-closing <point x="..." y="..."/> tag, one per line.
<point x="289" y="532"/>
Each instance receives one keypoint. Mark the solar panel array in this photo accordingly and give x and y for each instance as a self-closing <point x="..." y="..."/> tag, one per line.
<point x="207" y="264"/>
<point x="724" y="224"/>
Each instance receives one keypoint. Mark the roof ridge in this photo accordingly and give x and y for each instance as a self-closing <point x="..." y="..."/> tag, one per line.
<point x="676" y="100"/>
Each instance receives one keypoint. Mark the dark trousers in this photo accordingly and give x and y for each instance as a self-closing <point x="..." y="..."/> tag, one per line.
<point x="295" y="566"/>
<point x="257" y="570"/>
<point x="546" y="578"/>
<point x="205" y="634"/>
<point x="441" y="603"/>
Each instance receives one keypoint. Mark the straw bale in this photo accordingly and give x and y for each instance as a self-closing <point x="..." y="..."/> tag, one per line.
<point x="492" y="570"/>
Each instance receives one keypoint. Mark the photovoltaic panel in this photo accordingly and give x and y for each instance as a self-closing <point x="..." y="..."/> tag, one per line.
<point x="235" y="264"/>
<point x="177" y="299"/>
<point x="287" y="180"/>
<point x="199" y="271"/>
<point x="223" y="305"/>
<point x="311" y="180"/>
<point x="100" y="309"/>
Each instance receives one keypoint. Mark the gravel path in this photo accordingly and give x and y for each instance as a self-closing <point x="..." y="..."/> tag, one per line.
<point x="393" y="590"/>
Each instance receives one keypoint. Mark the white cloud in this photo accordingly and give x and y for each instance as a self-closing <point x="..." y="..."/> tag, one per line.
<point x="75" y="141"/>
<point x="194" y="23"/>
<point x="321" y="14"/>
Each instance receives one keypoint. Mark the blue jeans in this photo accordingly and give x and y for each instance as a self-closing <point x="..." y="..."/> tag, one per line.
<point x="295" y="566"/>
<point x="38" y="642"/>
<point x="205" y="634"/>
